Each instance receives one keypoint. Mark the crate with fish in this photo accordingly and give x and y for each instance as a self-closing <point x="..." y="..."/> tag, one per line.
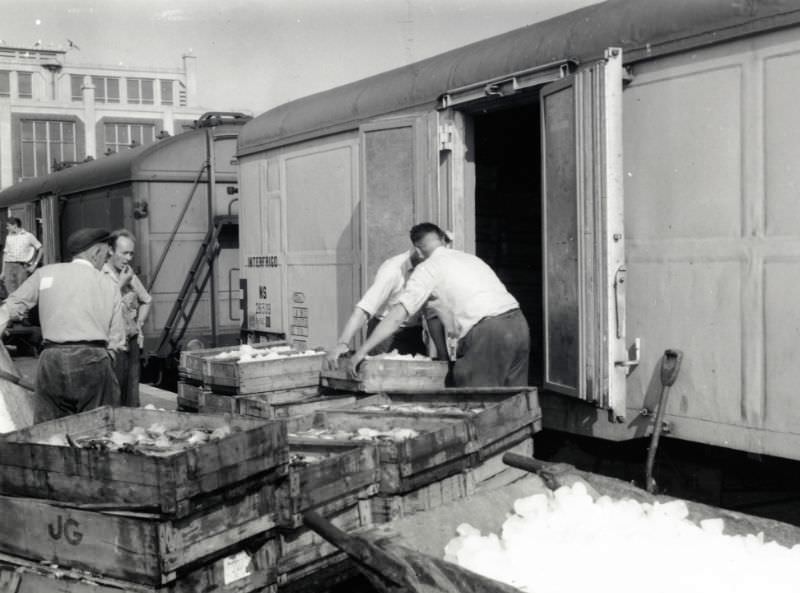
<point x="278" y="404"/>
<point x="499" y="417"/>
<point x="260" y="369"/>
<point x="145" y="548"/>
<point x="147" y="460"/>
<point x="248" y="567"/>
<point x="413" y="449"/>
<point x="388" y="372"/>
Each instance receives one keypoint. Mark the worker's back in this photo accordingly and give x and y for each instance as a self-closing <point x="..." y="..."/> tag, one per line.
<point x="466" y="285"/>
<point x="76" y="301"/>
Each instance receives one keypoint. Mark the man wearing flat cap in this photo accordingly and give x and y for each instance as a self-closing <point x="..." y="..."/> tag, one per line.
<point x="82" y="325"/>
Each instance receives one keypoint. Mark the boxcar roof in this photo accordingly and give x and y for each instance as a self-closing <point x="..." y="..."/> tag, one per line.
<point x="643" y="28"/>
<point x="106" y="171"/>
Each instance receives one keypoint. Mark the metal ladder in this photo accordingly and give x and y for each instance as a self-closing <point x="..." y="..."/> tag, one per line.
<point x="193" y="288"/>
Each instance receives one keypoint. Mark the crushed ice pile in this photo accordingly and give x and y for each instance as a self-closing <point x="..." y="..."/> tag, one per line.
<point x="565" y="541"/>
<point x="247" y="353"/>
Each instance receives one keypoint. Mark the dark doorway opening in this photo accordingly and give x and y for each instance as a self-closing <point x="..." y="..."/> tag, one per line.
<point x="508" y="209"/>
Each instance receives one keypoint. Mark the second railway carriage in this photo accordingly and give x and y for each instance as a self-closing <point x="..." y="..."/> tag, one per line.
<point x="630" y="170"/>
<point x="178" y="197"/>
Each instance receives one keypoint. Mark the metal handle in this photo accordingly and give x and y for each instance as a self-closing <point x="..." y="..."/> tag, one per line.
<point x="670" y="366"/>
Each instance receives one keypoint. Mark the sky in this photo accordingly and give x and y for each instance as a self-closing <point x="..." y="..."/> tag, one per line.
<point x="255" y="54"/>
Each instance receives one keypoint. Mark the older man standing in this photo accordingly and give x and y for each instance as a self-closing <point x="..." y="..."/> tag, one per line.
<point x="81" y="317"/>
<point x="135" y="307"/>
<point x="493" y="335"/>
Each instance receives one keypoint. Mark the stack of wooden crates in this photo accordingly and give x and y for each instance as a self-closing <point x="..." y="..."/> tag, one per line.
<point x="201" y="519"/>
<point x="263" y="388"/>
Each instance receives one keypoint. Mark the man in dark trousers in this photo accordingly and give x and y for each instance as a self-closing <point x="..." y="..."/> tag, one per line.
<point x="82" y="326"/>
<point x="492" y="333"/>
<point x="135" y="307"/>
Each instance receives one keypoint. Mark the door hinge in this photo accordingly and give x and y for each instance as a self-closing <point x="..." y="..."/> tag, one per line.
<point x="446" y="136"/>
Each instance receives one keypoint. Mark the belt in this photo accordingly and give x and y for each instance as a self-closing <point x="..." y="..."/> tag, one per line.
<point x="500" y="315"/>
<point x="86" y="343"/>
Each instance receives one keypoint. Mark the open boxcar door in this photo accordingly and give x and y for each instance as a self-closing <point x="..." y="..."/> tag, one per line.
<point x="582" y="235"/>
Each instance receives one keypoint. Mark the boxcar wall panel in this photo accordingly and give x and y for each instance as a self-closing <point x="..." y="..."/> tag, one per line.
<point x="321" y="231"/>
<point x="302" y="254"/>
<point x="713" y="244"/>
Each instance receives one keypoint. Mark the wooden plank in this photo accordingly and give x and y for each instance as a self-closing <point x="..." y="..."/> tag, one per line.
<point x="138" y="548"/>
<point x="348" y="468"/>
<point x="272" y="404"/>
<point x="89" y="476"/>
<point x="377" y="375"/>
<point x="247" y="568"/>
<point x="188" y="396"/>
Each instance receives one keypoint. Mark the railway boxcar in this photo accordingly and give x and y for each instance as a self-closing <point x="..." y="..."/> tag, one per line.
<point x="161" y="193"/>
<point x="630" y="171"/>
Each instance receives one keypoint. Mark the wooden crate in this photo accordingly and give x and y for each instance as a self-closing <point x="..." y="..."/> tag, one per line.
<point x="442" y="448"/>
<point x="143" y="548"/>
<point x="492" y="412"/>
<point x="260" y="376"/>
<point x="278" y="404"/>
<point x="347" y="468"/>
<point x="188" y="399"/>
<point x="379" y="374"/>
<point x="303" y="551"/>
<point x="387" y="508"/>
<point x="174" y="485"/>
<point x="247" y="568"/>
<point x="190" y="364"/>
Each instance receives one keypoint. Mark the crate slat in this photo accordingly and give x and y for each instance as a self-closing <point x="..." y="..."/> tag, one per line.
<point x="349" y="469"/>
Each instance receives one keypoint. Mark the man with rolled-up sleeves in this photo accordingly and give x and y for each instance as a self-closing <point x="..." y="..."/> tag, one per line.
<point x="491" y="330"/>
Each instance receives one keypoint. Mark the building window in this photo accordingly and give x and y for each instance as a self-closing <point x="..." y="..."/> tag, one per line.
<point x="44" y="143"/>
<point x="76" y="82"/>
<point x="140" y="91"/>
<point x="120" y="136"/>
<point x="5" y="83"/>
<point x="166" y="93"/>
<point x="106" y="90"/>
<point x="25" y="85"/>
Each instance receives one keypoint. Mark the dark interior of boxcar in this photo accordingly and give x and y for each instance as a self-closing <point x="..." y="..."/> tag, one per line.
<point x="508" y="208"/>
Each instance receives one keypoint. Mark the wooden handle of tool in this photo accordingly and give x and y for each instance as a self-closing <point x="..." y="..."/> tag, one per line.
<point x="364" y="553"/>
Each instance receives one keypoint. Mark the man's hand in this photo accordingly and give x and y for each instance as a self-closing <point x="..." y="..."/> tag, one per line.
<point x="125" y="275"/>
<point x="332" y="356"/>
<point x="354" y="362"/>
<point x="140" y="339"/>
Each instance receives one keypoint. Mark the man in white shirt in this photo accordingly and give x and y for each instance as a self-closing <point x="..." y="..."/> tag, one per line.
<point x="390" y="279"/>
<point x="492" y="333"/>
<point x="80" y="310"/>
<point x="135" y="308"/>
<point x="21" y="255"/>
